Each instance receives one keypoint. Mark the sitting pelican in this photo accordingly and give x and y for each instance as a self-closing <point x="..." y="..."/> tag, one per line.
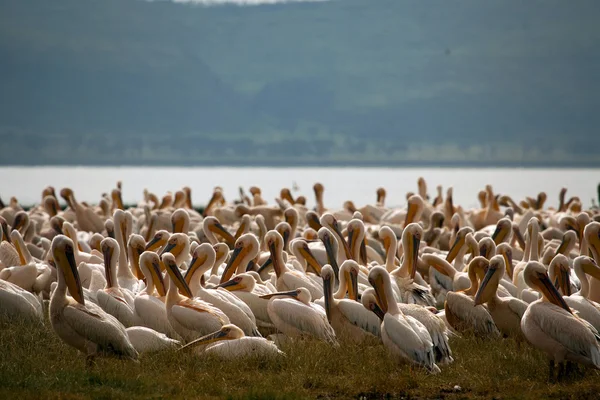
<point x="190" y="317"/>
<point x="244" y="287"/>
<point x="146" y="340"/>
<point x="505" y="311"/>
<point x="17" y="303"/>
<point x="84" y="326"/>
<point x="229" y="342"/>
<point x="549" y="325"/>
<point x="350" y="320"/>
<point x="294" y="315"/>
<point x="404" y="337"/>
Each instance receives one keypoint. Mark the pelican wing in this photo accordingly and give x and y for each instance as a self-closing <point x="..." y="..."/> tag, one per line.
<point x="305" y="318"/>
<point x="98" y="327"/>
<point x="360" y="316"/>
<point x="195" y="314"/>
<point x="516" y="305"/>
<point x="408" y="342"/>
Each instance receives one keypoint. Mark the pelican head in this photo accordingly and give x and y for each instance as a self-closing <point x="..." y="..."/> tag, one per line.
<point x="411" y="239"/>
<point x="159" y="240"/>
<point x="4" y="226"/>
<point x="150" y="267"/>
<point x="299" y="247"/>
<point x="64" y="259"/>
<point x="318" y="189"/>
<point x="379" y="278"/>
<point x="494" y="272"/>
<point x="591" y="233"/>
<point x="216" y="198"/>
<point x="286" y="194"/>
<point x="221" y="253"/>
<point x="414" y="209"/>
<point x="274" y="242"/>
<point x="502" y="232"/>
<point x="388" y="237"/>
<point x="536" y="277"/>
<point x="246" y="248"/>
<point x="227" y="332"/>
<point x="459" y="242"/>
<point x="312" y="219"/>
<point x="331" y="246"/>
<point x="559" y="272"/>
<point x="350" y="271"/>
<point x="68" y="196"/>
<point x="437" y="219"/>
<point x="110" y="250"/>
<point x="487" y="247"/>
<point x="168" y="260"/>
<point x="136" y="246"/>
<point x="117" y="199"/>
<point x="180" y="221"/>
<point x="369" y="301"/>
<point x="95" y="240"/>
<point x="505" y="250"/>
<point x="285" y="230"/>
<point x="178" y="243"/>
<point x="21" y="221"/>
<point x="203" y="259"/>
<point x="381" y="193"/>
<point x="328" y="279"/>
<point x="587" y="265"/>
<point x="244" y="282"/>
<point x="569" y="240"/>
<point x="212" y="224"/>
<point x="356" y="234"/>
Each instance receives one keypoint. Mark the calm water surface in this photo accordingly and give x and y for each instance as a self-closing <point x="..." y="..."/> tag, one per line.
<point x="341" y="184"/>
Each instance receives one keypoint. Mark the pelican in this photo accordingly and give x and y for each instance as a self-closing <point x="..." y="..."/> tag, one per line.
<point x="237" y="311"/>
<point x="591" y="235"/>
<point x="506" y="312"/>
<point x="83" y="326"/>
<point x="112" y="299"/>
<point x="549" y="325"/>
<point x="17" y="303"/>
<point x="294" y="315"/>
<point x="229" y="342"/>
<point x="190" y="317"/>
<point x="405" y="338"/>
<point x="245" y="287"/>
<point x="350" y="320"/>
<point x="146" y="340"/>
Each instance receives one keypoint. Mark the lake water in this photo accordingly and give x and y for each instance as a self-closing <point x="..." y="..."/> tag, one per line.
<point x="341" y="184"/>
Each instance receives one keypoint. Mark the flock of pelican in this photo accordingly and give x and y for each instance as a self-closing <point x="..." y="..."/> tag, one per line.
<point x="243" y="277"/>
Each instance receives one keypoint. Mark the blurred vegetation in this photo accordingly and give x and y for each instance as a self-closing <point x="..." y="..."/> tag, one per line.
<point x="36" y="364"/>
<point x="340" y="82"/>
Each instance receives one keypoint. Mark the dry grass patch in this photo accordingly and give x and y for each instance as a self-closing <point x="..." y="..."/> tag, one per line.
<point x="34" y="363"/>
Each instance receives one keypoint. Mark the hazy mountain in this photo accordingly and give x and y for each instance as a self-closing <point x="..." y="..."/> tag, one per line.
<point x="346" y="81"/>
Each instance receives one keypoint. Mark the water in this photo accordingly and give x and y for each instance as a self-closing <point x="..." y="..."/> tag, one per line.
<point x="341" y="184"/>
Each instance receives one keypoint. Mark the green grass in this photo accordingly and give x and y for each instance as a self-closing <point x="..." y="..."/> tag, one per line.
<point x="34" y="363"/>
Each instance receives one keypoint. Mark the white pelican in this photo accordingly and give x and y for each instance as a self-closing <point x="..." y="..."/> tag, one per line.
<point x="190" y="317"/>
<point x="112" y="299"/>
<point x="350" y="320"/>
<point x="17" y="303"/>
<point x="149" y="309"/>
<point x="404" y="337"/>
<point x="243" y="287"/>
<point x="591" y="234"/>
<point x="236" y="310"/>
<point x="288" y="279"/>
<point x="84" y="326"/>
<point x="123" y="227"/>
<point x="294" y="315"/>
<point x="229" y="342"/>
<point x="506" y="311"/>
<point x="212" y="226"/>
<point x="549" y="324"/>
<point x="146" y="340"/>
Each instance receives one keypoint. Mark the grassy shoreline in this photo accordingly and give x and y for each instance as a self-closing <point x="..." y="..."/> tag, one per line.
<point x="34" y="363"/>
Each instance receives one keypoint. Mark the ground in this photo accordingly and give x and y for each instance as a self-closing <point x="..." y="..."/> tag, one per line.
<point x="34" y="363"/>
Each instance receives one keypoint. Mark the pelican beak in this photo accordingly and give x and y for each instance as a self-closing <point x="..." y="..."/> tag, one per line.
<point x="194" y="265"/>
<point x="412" y="266"/>
<point x="313" y="222"/>
<point x="231" y="285"/>
<point x="5" y="231"/>
<point x="377" y="284"/>
<point x="211" y="202"/>
<point x="157" y="278"/>
<point x="233" y="263"/>
<point x="175" y="274"/>
<point x="564" y="282"/>
<point x="483" y="251"/>
<point x="275" y="260"/>
<point x="107" y="251"/>
<point x="486" y="280"/>
<point x="210" y="338"/>
<point x="352" y="241"/>
<point x="550" y="292"/>
<point x="178" y="226"/>
<point x="378" y="311"/>
<point x="310" y="259"/>
<point x="20" y="252"/>
<point x="221" y="231"/>
<point x="18" y="222"/>
<point x="136" y="262"/>
<point x="153" y="244"/>
<point x="266" y="265"/>
<point x="327" y="295"/>
<point x="363" y="251"/>
<point x="563" y="246"/>
<point x="498" y="235"/>
<point x="458" y="244"/>
<point x="336" y="228"/>
<point x="291" y="293"/>
<point x="71" y="274"/>
<point x="353" y="286"/>
<point x="411" y="213"/>
<point x="508" y="262"/>
<point x="168" y="248"/>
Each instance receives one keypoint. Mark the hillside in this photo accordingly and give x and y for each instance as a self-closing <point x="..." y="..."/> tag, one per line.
<point x="339" y="82"/>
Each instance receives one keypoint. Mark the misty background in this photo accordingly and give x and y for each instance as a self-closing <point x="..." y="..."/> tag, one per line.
<point x="344" y="82"/>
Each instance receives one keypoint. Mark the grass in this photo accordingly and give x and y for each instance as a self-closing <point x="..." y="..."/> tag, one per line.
<point x="34" y="363"/>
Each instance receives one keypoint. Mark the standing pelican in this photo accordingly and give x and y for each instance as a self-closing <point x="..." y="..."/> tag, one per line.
<point x="84" y="326"/>
<point x="404" y="337"/>
<point x="549" y="324"/>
